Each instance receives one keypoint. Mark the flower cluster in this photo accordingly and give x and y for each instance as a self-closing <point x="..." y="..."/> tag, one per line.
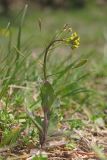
<point x="73" y="40"/>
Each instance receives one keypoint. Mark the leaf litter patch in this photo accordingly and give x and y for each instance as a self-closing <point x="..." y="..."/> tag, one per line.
<point x="89" y="143"/>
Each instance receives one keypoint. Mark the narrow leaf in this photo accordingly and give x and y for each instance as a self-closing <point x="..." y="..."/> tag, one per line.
<point x="36" y="123"/>
<point x="81" y="63"/>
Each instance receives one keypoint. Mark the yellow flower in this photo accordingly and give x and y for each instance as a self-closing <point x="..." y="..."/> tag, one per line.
<point x="73" y="40"/>
<point x="74" y="46"/>
<point x="74" y="35"/>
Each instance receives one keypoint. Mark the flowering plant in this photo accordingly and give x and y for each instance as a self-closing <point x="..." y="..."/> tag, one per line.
<point x="47" y="93"/>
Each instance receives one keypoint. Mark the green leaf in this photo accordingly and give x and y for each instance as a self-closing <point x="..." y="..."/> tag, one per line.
<point x="47" y="94"/>
<point x="67" y="88"/>
<point x="10" y="136"/>
<point x="75" y="91"/>
<point x="81" y="63"/>
<point x="39" y="158"/>
<point x="20" y="32"/>
<point x="35" y="120"/>
<point x="64" y="71"/>
<point x="20" y="26"/>
<point x="76" y="123"/>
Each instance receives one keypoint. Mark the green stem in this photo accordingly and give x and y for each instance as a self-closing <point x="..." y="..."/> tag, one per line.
<point x="45" y="56"/>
